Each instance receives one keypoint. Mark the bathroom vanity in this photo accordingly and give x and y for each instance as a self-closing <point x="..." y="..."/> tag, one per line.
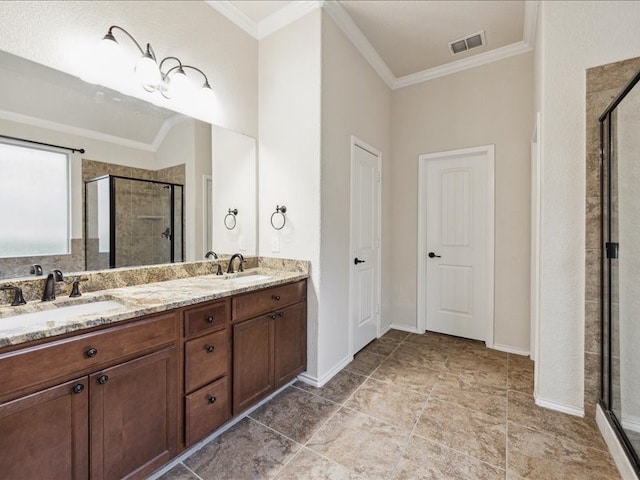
<point x="121" y="392"/>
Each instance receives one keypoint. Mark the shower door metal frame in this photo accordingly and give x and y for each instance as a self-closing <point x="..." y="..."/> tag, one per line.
<point x="606" y="391"/>
<point x="112" y="214"/>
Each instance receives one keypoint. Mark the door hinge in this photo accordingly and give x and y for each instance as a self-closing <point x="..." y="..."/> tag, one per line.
<point x="611" y="249"/>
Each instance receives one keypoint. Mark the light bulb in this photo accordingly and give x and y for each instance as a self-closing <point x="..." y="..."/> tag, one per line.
<point x="178" y="84"/>
<point x="147" y="72"/>
<point x="108" y="47"/>
<point x="207" y="95"/>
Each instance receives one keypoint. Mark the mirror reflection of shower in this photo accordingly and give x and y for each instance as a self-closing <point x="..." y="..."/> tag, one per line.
<point x="132" y="221"/>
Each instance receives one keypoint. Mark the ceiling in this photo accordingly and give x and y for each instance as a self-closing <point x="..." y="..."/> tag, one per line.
<point x="48" y="98"/>
<point x="405" y="41"/>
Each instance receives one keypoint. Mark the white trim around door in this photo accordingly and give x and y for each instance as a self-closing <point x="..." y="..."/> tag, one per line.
<point x="483" y="153"/>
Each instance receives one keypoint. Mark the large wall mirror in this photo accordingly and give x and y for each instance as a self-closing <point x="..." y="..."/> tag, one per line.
<point x="126" y="138"/>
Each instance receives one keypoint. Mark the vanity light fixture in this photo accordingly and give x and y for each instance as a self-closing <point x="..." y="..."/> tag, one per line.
<point x="169" y="81"/>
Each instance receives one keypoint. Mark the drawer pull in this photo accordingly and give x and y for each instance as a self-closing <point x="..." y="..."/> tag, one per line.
<point x="79" y="388"/>
<point x="210" y="348"/>
<point x="273" y="316"/>
<point x="280" y="314"/>
<point x="210" y="319"/>
<point x="275" y="297"/>
<point x="102" y="379"/>
<point x="211" y="399"/>
<point x="92" y="352"/>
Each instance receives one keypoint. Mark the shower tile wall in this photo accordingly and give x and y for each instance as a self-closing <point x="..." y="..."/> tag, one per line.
<point x="138" y="202"/>
<point x="603" y="84"/>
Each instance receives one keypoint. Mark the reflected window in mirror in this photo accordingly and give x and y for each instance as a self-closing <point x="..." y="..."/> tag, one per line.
<point x="35" y="190"/>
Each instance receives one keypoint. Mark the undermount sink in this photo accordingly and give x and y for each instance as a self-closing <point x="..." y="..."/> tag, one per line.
<point x="251" y="278"/>
<point x="64" y="313"/>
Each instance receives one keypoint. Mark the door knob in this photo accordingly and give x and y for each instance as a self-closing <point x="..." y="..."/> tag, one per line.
<point x="356" y="261"/>
<point x="433" y="255"/>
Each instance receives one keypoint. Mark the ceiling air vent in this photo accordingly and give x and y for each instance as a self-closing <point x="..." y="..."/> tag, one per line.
<point x="467" y="43"/>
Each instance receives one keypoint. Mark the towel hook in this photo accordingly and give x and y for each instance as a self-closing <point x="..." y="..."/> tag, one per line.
<point x="280" y="210"/>
<point x="230" y="219"/>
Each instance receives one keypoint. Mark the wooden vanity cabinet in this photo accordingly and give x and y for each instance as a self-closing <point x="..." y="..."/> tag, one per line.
<point x="45" y="434"/>
<point x="115" y="418"/>
<point x="269" y="350"/>
<point x="207" y="365"/>
<point x="133" y="416"/>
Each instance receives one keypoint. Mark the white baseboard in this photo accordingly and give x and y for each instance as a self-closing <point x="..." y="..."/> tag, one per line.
<point x="515" y="351"/>
<point x="319" y="382"/>
<point x="404" y="328"/>
<point x="197" y="446"/>
<point x="558" y="406"/>
<point x="631" y="423"/>
<point x="384" y="329"/>
<point x="617" y="452"/>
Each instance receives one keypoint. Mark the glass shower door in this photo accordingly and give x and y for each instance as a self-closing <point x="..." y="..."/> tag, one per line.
<point x="620" y="129"/>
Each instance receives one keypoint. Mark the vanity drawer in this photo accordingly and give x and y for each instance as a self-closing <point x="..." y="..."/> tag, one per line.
<point x="204" y="318"/>
<point x="205" y="410"/>
<point x="205" y="359"/>
<point x="265" y="301"/>
<point x="57" y="360"/>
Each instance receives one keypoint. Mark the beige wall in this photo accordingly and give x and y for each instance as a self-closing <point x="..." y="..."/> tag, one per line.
<point x="289" y="153"/>
<point x="355" y="101"/>
<point x="573" y="36"/>
<point x="492" y="104"/>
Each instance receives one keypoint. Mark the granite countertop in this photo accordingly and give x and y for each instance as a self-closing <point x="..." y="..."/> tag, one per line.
<point x="17" y="327"/>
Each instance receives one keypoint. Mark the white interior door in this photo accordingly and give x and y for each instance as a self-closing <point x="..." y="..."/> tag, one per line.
<point x="459" y="265"/>
<point x="365" y="181"/>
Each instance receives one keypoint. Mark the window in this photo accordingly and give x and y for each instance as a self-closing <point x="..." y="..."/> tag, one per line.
<point x="34" y="214"/>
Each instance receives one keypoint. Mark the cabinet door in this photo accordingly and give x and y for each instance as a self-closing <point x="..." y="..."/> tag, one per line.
<point x="133" y="416"/>
<point x="252" y="362"/>
<point x="45" y="435"/>
<point x="290" y="343"/>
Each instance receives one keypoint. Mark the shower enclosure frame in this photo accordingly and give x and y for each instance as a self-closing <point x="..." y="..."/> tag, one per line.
<point x="609" y="252"/>
<point x="112" y="215"/>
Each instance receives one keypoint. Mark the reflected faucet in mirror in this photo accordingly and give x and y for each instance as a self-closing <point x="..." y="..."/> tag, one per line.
<point x="36" y="270"/>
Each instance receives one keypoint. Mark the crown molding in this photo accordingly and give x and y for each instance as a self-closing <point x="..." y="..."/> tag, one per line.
<point x="351" y="30"/>
<point x="70" y="129"/>
<point x="298" y="9"/>
<point x="530" y="22"/>
<point x="234" y="14"/>
<point x="285" y="16"/>
<point x="484" y="58"/>
<point x="165" y="128"/>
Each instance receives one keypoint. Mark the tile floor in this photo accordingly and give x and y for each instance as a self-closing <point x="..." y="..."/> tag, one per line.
<point x="409" y="407"/>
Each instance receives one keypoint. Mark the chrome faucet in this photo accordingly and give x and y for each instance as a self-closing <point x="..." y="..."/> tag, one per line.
<point x="233" y="257"/>
<point x="50" y="286"/>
